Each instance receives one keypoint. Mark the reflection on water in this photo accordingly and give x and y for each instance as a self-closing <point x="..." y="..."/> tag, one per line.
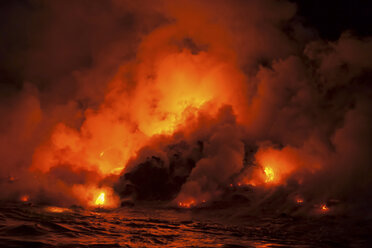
<point x="26" y="226"/>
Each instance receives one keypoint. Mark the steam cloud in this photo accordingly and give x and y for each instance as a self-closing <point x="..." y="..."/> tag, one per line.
<point x="176" y="101"/>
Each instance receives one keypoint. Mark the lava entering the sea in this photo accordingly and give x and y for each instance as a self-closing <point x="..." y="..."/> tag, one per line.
<point x="188" y="104"/>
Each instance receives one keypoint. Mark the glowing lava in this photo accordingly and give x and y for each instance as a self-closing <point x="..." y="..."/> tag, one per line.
<point x="187" y="204"/>
<point x="25" y="198"/>
<point x="270" y="175"/>
<point x="100" y="199"/>
<point x="324" y="208"/>
<point x="57" y="209"/>
<point x="300" y="200"/>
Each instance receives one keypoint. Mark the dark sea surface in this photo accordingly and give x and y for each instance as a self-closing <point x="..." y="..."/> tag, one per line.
<point x="40" y="226"/>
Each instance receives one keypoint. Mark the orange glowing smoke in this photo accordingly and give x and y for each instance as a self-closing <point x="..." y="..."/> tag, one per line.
<point x="300" y="200"/>
<point x="170" y="90"/>
<point x="184" y="84"/>
<point x="275" y="166"/>
<point x="157" y="93"/>
<point x="92" y="196"/>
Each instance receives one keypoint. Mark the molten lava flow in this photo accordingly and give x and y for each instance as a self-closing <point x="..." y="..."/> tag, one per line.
<point x="100" y="199"/>
<point x="270" y="175"/>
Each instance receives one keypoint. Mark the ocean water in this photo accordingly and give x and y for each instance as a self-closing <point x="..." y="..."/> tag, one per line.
<point x="24" y="225"/>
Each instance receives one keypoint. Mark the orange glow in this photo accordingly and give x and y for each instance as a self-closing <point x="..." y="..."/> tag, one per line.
<point x="162" y="90"/>
<point x="187" y="204"/>
<point x="91" y="196"/>
<point x="270" y="175"/>
<point x="168" y="94"/>
<point x="57" y="209"/>
<point x="155" y="101"/>
<point x="184" y="84"/>
<point x="25" y="198"/>
<point x="275" y="166"/>
<point x="100" y="199"/>
<point x="324" y="208"/>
